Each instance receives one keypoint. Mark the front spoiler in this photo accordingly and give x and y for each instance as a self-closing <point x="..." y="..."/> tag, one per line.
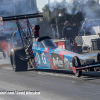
<point x="82" y="67"/>
<point x="87" y="67"/>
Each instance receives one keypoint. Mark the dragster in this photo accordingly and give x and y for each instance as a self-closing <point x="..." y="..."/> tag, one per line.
<point x="44" y="54"/>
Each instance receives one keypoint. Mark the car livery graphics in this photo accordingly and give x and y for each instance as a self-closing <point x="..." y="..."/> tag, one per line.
<point x="48" y="56"/>
<point x="55" y="58"/>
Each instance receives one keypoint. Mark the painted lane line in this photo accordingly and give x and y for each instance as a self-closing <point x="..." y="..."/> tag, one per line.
<point x="53" y="74"/>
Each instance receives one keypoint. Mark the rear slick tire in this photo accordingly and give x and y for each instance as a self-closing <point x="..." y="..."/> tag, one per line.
<point x="16" y="62"/>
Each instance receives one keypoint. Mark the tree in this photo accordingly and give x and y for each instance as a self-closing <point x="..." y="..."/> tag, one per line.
<point x="78" y="10"/>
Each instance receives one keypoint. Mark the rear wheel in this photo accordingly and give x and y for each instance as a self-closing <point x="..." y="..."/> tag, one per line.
<point x="16" y="62"/>
<point x="75" y="63"/>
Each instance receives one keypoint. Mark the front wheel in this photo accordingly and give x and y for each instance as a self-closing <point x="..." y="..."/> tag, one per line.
<point x="78" y="73"/>
<point x="75" y="63"/>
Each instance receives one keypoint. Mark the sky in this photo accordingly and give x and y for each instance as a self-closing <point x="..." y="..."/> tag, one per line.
<point x="41" y="3"/>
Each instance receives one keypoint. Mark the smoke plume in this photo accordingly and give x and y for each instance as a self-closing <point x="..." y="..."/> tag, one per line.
<point x="72" y="7"/>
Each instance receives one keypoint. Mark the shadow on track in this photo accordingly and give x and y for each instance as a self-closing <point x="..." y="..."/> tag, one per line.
<point x="91" y="76"/>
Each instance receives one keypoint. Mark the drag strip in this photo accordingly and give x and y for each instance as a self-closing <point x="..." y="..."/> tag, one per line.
<point x="57" y="73"/>
<point x="53" y="85"/>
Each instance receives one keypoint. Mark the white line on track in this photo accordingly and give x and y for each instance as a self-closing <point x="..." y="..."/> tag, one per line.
<point x="53" y="74"/>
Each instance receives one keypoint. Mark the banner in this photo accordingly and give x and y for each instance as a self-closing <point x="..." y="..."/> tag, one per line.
<point x="11" y="25"/>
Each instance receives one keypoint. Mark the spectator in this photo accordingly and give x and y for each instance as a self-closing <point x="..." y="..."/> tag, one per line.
<point x="75" y="30"/>
<point x="67" y="32"/>
<point x="86" y="26"/>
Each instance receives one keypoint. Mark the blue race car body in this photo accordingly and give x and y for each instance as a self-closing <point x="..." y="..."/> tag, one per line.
<point x="48" y="56"/>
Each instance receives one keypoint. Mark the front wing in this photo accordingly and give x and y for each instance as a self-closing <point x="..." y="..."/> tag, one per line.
<point x="88" y="67"/>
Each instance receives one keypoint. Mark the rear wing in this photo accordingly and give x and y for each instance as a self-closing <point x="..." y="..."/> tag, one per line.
<point x="28" y="36"/>
<point x="18" y="17"/>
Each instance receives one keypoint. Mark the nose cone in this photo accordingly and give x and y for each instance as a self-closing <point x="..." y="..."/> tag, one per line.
<point x="87" y="61"/>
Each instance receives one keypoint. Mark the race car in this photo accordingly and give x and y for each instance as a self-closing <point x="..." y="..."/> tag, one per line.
<point x="48" y="56"/>
<point x="43" y="54"/>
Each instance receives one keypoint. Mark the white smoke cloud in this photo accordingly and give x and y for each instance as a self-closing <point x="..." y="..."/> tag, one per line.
<point x="69" y="5"/>
<point x="54" y="5"/>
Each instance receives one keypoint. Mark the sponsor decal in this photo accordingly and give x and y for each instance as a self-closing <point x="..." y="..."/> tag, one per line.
<point x="71" y="64"/>
<point x="66" y="62"/>
<point x="58" y="62"/>
<point x="38" y="58"/>
<point x="41" y="58"/>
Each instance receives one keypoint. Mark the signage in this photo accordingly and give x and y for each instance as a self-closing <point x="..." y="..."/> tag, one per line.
<point x="11" y="25"/>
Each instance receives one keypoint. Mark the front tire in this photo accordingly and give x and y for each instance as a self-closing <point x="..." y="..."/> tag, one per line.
<point x="75" y="63"/>
<point x="16" y="62"/>
<point x="78" y="73"/>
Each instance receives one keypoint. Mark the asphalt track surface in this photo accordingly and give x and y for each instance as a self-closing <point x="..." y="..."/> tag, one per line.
<point x="52" y="84"/>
